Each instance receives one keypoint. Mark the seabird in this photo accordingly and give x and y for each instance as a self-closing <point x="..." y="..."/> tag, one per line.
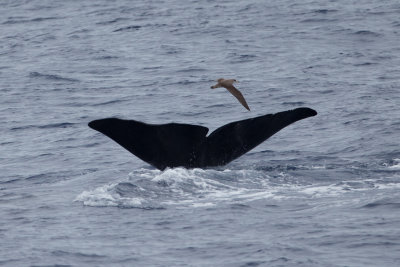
<point x="228" y="84"/>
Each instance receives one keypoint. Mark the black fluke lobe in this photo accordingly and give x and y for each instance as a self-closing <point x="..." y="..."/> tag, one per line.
<point x="185" y="145"/>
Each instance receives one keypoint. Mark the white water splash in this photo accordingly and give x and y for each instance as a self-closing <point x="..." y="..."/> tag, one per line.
<point x="203" y="188"/>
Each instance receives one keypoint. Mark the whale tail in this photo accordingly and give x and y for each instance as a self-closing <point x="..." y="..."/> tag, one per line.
<point x="237" y="138"/>
<point x="186" y="145"/>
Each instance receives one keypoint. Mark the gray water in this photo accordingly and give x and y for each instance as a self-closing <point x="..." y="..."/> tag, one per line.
<point x="324" y="191"/>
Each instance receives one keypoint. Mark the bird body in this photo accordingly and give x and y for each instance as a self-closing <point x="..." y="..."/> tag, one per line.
<point x="228" y="84"/>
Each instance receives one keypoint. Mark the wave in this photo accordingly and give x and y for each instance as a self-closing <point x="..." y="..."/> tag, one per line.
<point x="241" y="58"/>
<point x="325" y="11"/>
<point x="318" y="20"/>
<point x="45" y="126"/>
<point x="383" y="203"/>
<point x="53" y="77"/>
<point x="394" y="165"/>
<point x="154" y="189"/>
<point x="17" y="20"/>
<point x="367" y="33"/>
<point x="298" y="103"/>
<point x="111" y="102"/>
<point x="63" y="253"/>
<point x="365" y="64"/>
<point x="111" y="21"/>
<point x="128" y="28"/>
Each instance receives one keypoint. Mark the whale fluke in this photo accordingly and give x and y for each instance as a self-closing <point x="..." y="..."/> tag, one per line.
<point x="186" y="145"/>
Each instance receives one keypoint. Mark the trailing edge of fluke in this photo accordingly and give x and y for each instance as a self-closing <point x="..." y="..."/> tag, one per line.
<point x="185" y="145"/>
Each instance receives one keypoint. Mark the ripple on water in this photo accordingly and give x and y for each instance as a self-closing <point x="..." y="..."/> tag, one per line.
<point x="51" y="77"/>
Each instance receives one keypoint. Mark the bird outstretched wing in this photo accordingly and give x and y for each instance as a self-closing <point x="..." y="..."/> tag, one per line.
<point x="236" y="93"/>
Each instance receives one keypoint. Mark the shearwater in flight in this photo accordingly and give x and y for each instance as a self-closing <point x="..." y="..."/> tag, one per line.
<point x="228" y="84"/>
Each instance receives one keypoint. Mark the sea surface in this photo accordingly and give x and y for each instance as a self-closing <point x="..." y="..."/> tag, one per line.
<point x="324" y="191"/>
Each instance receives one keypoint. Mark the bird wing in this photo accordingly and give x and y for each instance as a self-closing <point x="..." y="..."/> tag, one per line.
<point x="236" y="93"/>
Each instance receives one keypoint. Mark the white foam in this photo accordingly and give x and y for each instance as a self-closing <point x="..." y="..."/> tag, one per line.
<point x="97" y="197"/>
<point x="396" y="164"/>
<point x="202" y="205"/>
<point x="322" y="191"/>
<point x="103" y="197"/>
<point x="204" y="188"/>
<point x="388" y="186"/>
<point x="316" y="167"/>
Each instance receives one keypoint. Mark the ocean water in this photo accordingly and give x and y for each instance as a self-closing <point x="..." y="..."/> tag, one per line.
<point x="324" y="191"/>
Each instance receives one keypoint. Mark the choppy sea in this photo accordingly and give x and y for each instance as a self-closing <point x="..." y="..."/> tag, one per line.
<point x="324" y="191"/>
